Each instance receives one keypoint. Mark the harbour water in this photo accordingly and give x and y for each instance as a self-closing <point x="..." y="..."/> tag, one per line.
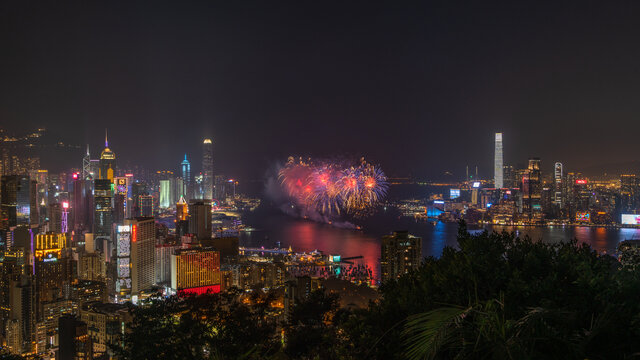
<point x="273" y="228"/>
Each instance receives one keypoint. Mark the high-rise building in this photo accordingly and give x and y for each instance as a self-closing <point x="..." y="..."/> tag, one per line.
<point x="557" y="184"/>
<point x="498" y="178"/>
<point x="200" y="219"/>
<point x="629" y="189"/>
<point x="532" y="190"/>
<point x="165" y="194"/>
<point x="207" y="169"/>
<point x="18" y="201"/>
<point x="86" y="166"/>
<point x="186" y="177"/>
<point x="146" y="205"/>
<point x="82" y="205"/>
<point x="103" y="216"/>
<point x="195" y="270"/>
<point x="182" y="217"/>
<point x="141" y="251"/>
<point x="107" y="162"/>
<point x="400" y="253"/>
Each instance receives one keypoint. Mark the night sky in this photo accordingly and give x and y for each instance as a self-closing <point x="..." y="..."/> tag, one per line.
<point x="418" y="88"/>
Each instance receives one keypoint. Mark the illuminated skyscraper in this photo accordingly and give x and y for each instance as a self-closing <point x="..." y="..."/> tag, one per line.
<point x="18" y="194"/>
<point x="143" y="248"/>
<point x="107" y="162"/>
<point x="86" y="166"/>
<point x="186" y="177"/>
<point x="165" y="194"/>
<point x="103" y="217"/>
<point x="207" y="169"/>
<point x="498" y="178"/>
<point x="200" y="219"/>
<point x="557" y="180"/>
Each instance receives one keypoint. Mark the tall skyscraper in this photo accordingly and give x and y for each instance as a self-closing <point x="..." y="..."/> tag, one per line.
<point x="18" y="194"/>
<point x="498" y="178"/>
<point x="557" y="182"/>
<point x="186" y="177"/>
<point x="103" y="217"/>
<point x="200" y="219"/>
<point x="107" y="161"/>
<point x="207" y="169"/>
<point x="143" y="250"/>
<point x="86" y="166"/>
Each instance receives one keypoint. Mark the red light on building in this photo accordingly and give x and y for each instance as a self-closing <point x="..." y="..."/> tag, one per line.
<point x="128" y="175"/>
<point x="75" y="176"/>
<point x="65" y="204"/>
<point x="581" y="181"/>
<point x="134" y="233"/>
<point x="211" y="289"/>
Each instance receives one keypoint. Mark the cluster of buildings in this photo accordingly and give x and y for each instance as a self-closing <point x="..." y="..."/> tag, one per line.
<point x="76" y="247"/>
<point x="529" y="195"/>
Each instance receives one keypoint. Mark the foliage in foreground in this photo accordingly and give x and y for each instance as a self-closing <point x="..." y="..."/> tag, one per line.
<point x="496" y="297"/>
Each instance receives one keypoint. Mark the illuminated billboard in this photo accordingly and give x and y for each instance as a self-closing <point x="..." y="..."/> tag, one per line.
<point x="454" y="193"/>
<point x="476" y="184"/>
<point x="583" y="216"/>
<point x="581" y="181"/>
<point x="630" y="219"/>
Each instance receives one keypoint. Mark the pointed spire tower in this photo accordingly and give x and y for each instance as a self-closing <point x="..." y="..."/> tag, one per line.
<point x="107" y="161"/>
<point x="186" y="177"/>
<point x="86" y="165"/>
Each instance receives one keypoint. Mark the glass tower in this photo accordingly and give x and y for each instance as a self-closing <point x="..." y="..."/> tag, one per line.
<point x="498" y="178"/>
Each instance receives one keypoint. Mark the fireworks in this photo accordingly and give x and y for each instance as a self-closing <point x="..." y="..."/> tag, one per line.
<point x="331" y="188"/>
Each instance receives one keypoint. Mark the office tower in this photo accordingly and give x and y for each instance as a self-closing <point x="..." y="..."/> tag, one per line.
<point x="42" y="196"/>
<point x="75" y="342"/>
<point x="186" y="177"/>
<point x="207" y="169"/>
<point x="137" y="188"/>
<point x="120" y="198"/>
<point x="401" y="252"/>
<point x="195" y="270"/>
<point x="532" y="190"/>
<point x="18" y="201"/>
<point x="198" y="186"/>
<point x="498" y="174"/>
<point x="165" y="194"/>
<point x="103" y="217"/>
<point x="84" y="291"/>
<point x="200" y="219"/>
<point x="55" y="217"/>
<point x="106" y="325"/>
<point x="107" y="169"/>
<point x="182" y="217"/>
<point x="178" y="190"/>
<point x="146" y="205"/>
<point x="136" y="253"/>
<point x="629" y="192"/>
<point x="557" y="184"/>
<point x="13" y="265"/>
<point x="82" y="205"/>
<point x="94" y="167"/>
<point x="86" y="166"/>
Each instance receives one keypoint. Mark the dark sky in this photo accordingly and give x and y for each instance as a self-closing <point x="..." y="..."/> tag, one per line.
<point x="417" y="87"/>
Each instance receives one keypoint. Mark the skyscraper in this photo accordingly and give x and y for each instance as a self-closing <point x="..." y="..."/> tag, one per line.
<point x="107" y="162"/>
<point x="498" y="178"/>
<point x="557" y="180"/>
<point x="186" y="177"/>
<point x="86" y="165"/>
<point x="207" y="169"/>
<point x="103" y="217"/>
<point x="200" y="219"/>
<point x="18" y="201"/>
